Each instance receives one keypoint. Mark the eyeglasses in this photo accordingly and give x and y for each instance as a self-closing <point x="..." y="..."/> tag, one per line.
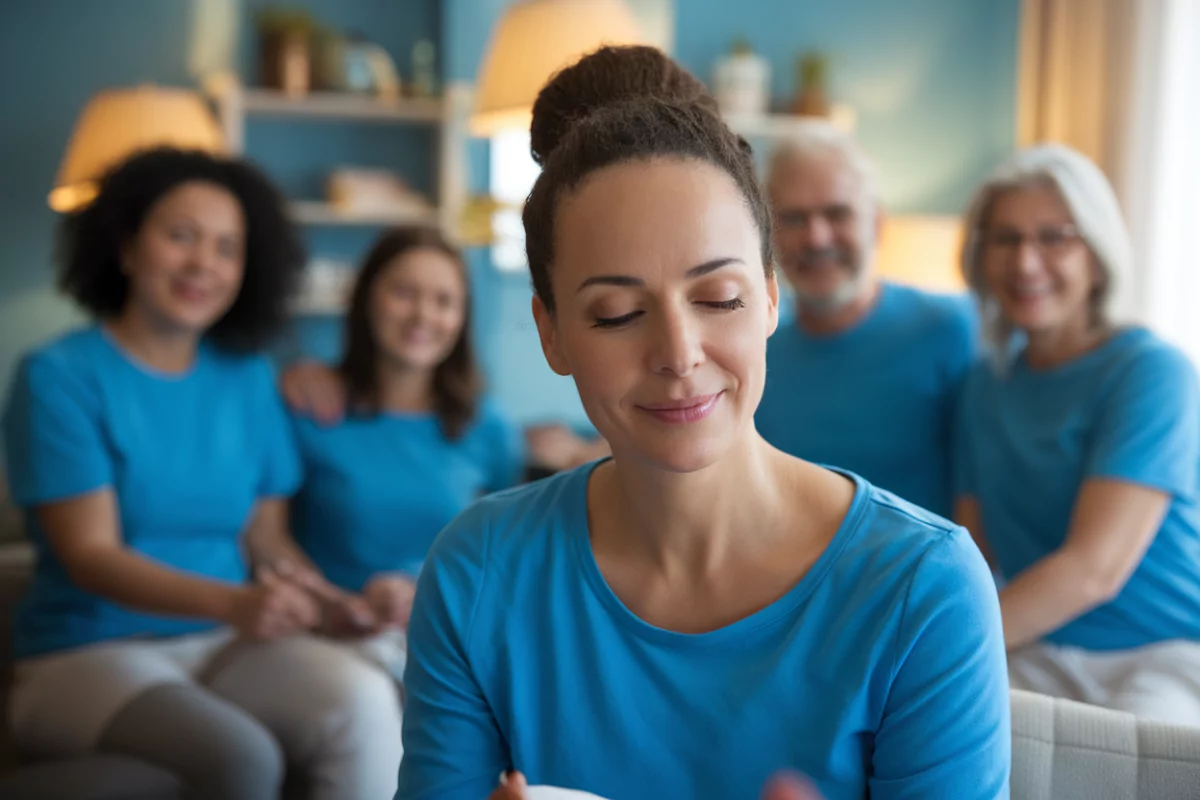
<point x="835" y="216"/>
<point x="1050" y="242"/>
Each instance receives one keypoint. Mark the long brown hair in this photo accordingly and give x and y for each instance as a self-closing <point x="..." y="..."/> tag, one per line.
<point x="457" y="382"/>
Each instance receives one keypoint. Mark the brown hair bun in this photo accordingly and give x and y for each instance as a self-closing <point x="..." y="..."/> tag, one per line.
<point x="609" y="76"/>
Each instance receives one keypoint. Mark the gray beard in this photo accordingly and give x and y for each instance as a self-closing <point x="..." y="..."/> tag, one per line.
<point x="835" y="301"/>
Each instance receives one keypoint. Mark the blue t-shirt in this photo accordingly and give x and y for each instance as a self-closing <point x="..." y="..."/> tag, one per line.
<point x="877" y="399"/>
<point x="882" y="670"/>
<point x="1129" y="410"/>
<point x="187" y="456"/>
<point x="378" y="489"/>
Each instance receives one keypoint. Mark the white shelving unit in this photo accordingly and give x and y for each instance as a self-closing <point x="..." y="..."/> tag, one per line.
<point x="312" y="212"/>
<point x="336" y="105"/>
<point x="781" y="126"/>
<point x="447" y="115"/>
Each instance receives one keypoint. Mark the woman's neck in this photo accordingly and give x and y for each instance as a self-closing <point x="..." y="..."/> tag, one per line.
<point x="403" y="389"/>
<point x="159" y="347"/>
<point x="1052" y="348"/>
<point x="692" y="523"/>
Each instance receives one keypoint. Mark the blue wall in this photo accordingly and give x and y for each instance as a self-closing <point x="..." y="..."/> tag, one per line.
<point x="933" y="82"/>
<point x="54" y="55"/>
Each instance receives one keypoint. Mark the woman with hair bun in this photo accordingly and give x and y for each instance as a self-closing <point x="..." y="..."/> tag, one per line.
<point x="699" y="612"/>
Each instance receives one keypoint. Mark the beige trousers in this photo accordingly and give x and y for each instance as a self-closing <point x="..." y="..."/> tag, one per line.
<point x="331" y="707"/>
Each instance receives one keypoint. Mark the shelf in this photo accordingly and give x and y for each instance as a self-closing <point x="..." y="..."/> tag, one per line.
<point x="339" y="105"/>
<point x="308" y="212"/>
<point x="781" y="126"/>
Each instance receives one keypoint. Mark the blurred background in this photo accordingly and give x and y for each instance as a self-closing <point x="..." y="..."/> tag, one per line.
<point x="370" y="112"/>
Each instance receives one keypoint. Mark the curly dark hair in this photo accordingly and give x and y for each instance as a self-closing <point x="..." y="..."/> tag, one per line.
<point x="622" y="104"/>
<point x="91" y="240"/>
<point x="457" y="381"/>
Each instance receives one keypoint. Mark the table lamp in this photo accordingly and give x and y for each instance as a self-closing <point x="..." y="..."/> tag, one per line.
<point x="119" y="122"/>
<point x="533" y="40"/>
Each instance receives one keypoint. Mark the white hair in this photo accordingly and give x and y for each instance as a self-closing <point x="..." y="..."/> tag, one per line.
<point x="1094" y="209"/>
<point x="818" y="139"/>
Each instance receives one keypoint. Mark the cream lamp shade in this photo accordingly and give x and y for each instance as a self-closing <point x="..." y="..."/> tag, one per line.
<point x="533" y="40"/>
<point x="118" y="123"/>
<point x="922" y="251"/>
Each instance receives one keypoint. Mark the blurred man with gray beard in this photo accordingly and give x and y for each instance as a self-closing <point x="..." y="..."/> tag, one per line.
<point x="866" y="378"/>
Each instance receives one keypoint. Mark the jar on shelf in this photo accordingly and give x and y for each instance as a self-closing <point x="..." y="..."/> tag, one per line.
<point x="742" y="81"/>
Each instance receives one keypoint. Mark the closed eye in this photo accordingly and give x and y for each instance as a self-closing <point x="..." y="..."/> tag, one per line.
<point x="616" y="322"/>
<point x="727" y="305"/>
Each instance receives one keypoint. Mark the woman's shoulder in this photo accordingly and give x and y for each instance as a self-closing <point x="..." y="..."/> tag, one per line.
<point x="507" y="526"/>
<point x="1140" y="350"/>
<point x="72" y="364"/>
<point x="902" y="539"/>
<point x="76" y="350"/>
<point x="1141" y="369"/>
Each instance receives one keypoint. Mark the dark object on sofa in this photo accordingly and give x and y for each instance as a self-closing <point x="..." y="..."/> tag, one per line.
<point x="99" y="777"/>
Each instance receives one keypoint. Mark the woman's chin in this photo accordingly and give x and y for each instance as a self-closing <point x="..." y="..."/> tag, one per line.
<point x="678" y="454"/>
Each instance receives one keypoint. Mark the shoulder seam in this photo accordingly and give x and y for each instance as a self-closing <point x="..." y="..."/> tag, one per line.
<point x="949" y="528"/>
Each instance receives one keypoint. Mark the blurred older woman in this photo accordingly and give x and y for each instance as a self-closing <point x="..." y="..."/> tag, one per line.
<point x="1078" y="449"/>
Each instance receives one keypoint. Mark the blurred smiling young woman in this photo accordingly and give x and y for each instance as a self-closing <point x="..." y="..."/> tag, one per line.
<point x="701" y="611"/>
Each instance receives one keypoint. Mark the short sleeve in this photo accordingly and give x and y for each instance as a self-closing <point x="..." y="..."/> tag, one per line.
<point x="282" y="470"/>
<point x="453" y="747"/>
<point x="945" y="732"/>
<point x="506" y="449"/>
<point x="53" y="434"/>
<point x="1148" y="428"/>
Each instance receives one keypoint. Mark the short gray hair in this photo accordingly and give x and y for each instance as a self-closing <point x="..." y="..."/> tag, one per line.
<point x="819" y="139"/>
<point x="1094" y="209"/>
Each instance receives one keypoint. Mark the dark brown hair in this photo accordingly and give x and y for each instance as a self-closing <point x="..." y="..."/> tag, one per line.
<point x="622" y="104"/>
<point x="457" y="382"/>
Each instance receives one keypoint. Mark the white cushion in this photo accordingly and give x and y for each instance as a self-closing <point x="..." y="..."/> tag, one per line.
<point x="1064" y="750"/>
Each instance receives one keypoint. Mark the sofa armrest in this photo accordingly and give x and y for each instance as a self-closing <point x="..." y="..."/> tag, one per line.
<point x="1064" y="750"/>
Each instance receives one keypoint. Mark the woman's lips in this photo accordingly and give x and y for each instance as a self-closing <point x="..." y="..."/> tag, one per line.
<point x="680" y="412"/>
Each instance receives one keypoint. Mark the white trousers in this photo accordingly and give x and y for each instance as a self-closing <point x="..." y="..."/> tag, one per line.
<point x="1159" y="682"/>
<point x="333" y="707"/>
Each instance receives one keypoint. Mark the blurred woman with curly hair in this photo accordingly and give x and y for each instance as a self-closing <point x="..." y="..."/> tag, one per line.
<point x="153" y="461"/>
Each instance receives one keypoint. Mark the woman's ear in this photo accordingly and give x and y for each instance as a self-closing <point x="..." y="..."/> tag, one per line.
<point x="772" y="304"/>
<point x="548" y="334"/>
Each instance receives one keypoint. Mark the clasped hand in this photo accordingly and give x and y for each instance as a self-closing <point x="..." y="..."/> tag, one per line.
<point x="285" y="599"/>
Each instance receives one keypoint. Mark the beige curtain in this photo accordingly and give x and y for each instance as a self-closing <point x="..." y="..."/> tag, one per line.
<point x="1119" y="80"/>
<point x="1074" y="84"/>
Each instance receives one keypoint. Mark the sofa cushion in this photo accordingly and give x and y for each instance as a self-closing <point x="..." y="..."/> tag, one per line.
<point x="100" y="777"/>
<point x="1070" y="751"/>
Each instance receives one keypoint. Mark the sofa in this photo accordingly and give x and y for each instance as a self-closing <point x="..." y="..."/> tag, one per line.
<point x="1070" y="751"/>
